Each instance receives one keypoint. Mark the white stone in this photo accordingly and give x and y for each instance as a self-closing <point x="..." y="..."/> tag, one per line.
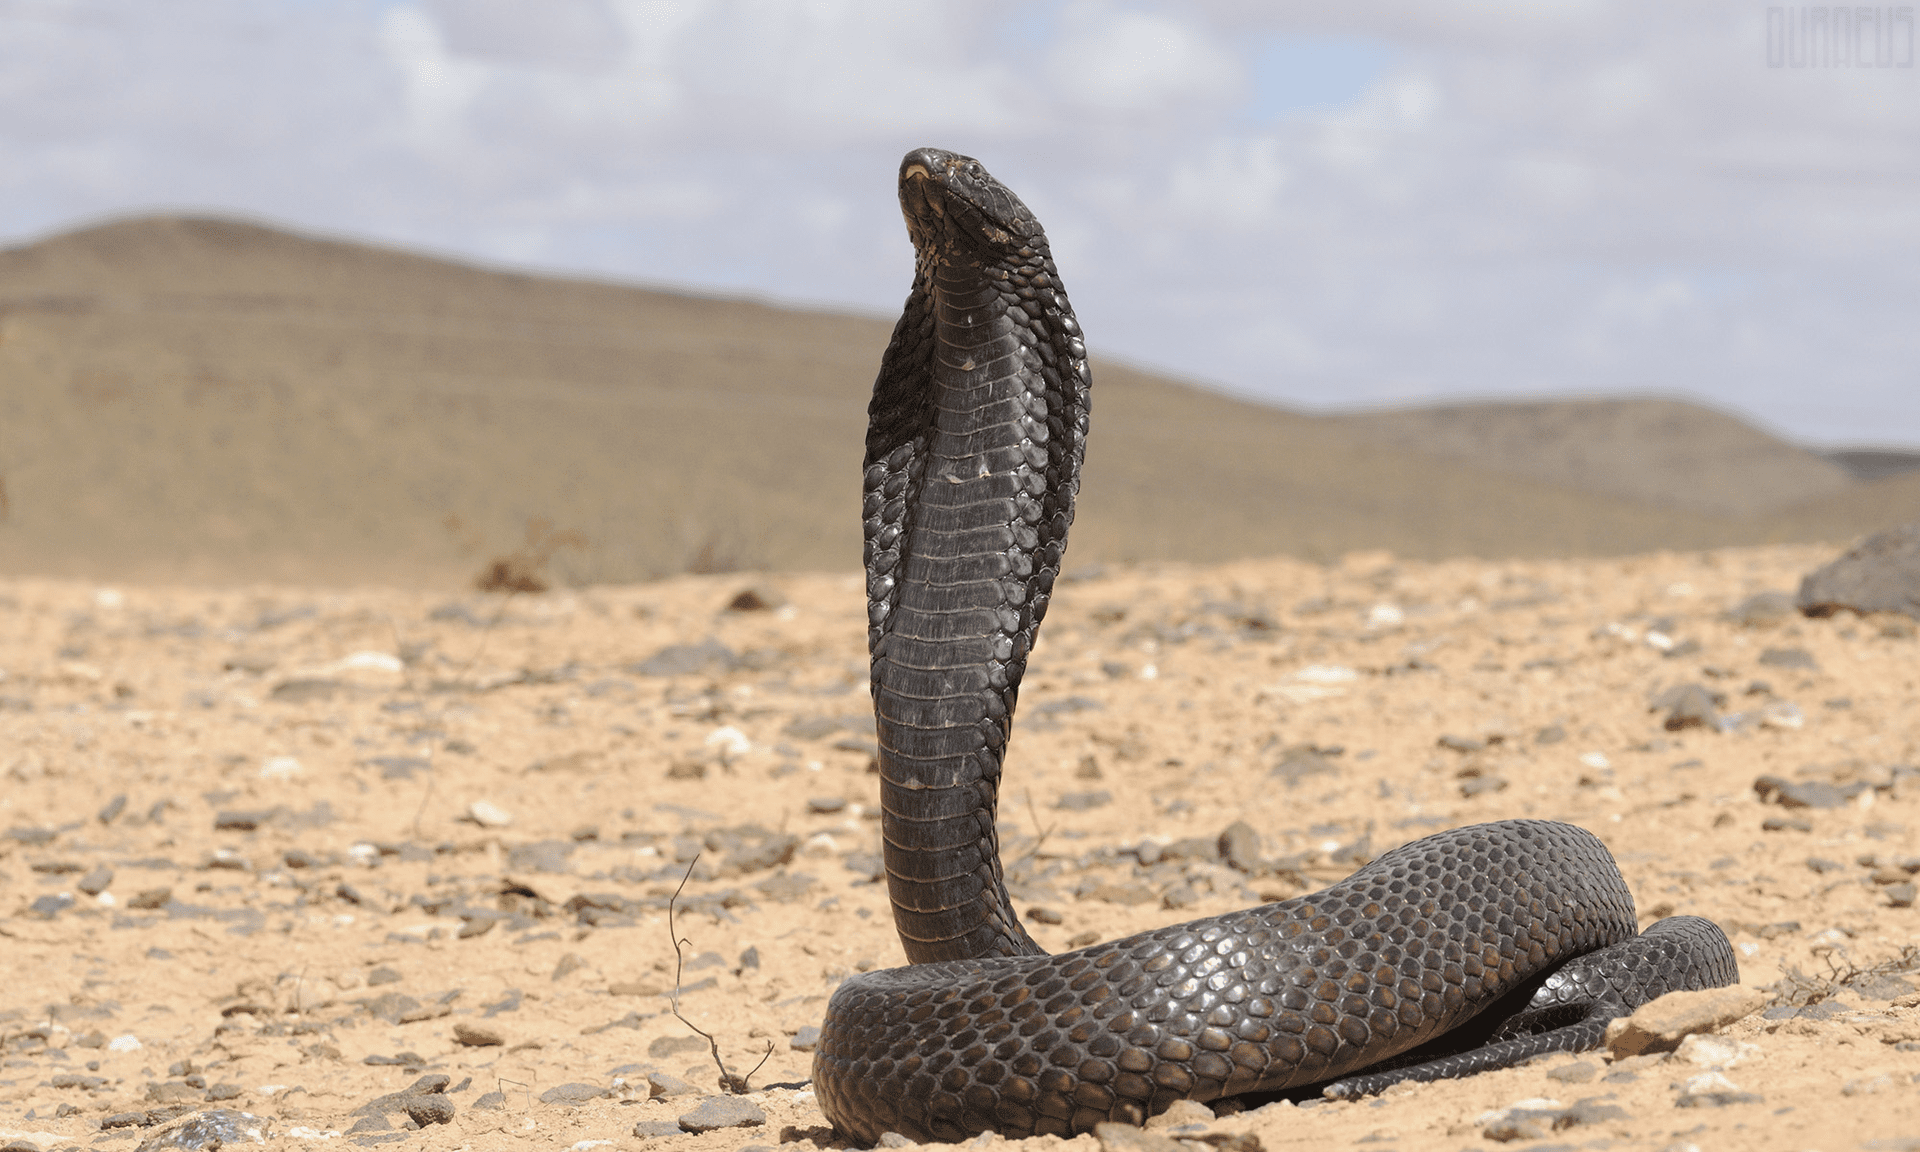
<point x="488" y="815"/>
<point x="1703" y="1050"/>
<point x="280" y="768"/>
<point x="729" y="740"/>
<point x="127" y="1043"/>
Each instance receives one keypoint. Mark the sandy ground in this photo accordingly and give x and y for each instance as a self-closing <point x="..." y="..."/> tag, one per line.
<point x="290" y="850"/>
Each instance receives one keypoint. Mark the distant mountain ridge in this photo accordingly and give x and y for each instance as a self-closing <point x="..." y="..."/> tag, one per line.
<point x="207" y="399"/>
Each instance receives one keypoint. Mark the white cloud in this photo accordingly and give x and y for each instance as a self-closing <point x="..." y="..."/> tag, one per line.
<point x="1518" y="197"/>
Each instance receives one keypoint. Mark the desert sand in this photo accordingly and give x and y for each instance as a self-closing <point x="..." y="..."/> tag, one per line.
<point x="288" y="851"/>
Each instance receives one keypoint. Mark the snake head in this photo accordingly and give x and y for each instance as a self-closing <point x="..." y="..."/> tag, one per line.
<point x="952" y="201"/>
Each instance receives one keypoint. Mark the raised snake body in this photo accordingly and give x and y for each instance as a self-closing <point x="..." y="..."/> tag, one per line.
<point x="1468" y="949"/>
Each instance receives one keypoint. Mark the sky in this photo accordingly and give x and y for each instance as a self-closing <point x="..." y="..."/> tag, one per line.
<point x="1330" y="206"/>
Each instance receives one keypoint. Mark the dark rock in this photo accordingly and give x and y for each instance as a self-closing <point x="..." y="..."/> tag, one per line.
<point x="1461" y="743"/>
<point x="1901" y="895"/>
<point x="72" y="1080"/>
<point x="32" y="837"/>
<point x="382" y="975"/>
<point x="302" y="691"/>
<point x="111" y="811"/>
<point x="393" y="1007"/>
<point x="758" y="598"/>
<point x="224" y="1091"/>
<point x="1762" y="608"/>
<point x="238" y="821"/>
<point x="1299" y="763"/>
<point x="826" y="805"/>
<point x="717" y="1112"/>
<point x="1688" y="706"/>
<point x="1879" y="574"/>
<point x="493" y="1102"/>
<point x="1240" y="848"/>
<point x="431" y="1108"/>
<point x="1790" y="658"/>
<point x="125" y="1120"/>
<point x="771" y="852"/>
<point x="434" y="1084"/>
<point x="1786" y="824"/>
<point x="1084" y="801"/>
<point x="1042" y="915"/>
<point x="1479" y="785"/>
<point x="541" y="856"/>
<point x="786" y="888"/>
<point x="1805" y="793"/>
<point x="49" y="906"/>
<point x="96" y="881"/>
<point x="370" y="1124"/>
<point x="647" y="1129"/>
<point x="805" y="1040"/>
<point x="1551" y="734"/>
<point x="149" y="899"/>
<point x="686" y="659"/>
<point x="750" y="958"/>
<point x="573" y="1095"/>
<point x="399" y="767"/>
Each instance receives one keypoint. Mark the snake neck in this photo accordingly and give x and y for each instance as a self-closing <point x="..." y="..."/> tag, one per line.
<point x="974" y="442"/>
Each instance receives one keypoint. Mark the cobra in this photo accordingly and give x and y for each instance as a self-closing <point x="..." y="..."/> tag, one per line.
<point x="1469" y="949"/>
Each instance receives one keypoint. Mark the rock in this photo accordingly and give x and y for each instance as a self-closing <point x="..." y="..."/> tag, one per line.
<point x="1706" y="1051"/>
<point x="1804" y="793"/>
<point x="1300" y="763"/>
<point x="432" y="1084"/>
<point x="1762" y="608"/>
<point x="1790" y="658"/>
<point x="207" y="1131"/>
<point x="805" y="1040"/>
<point x="488" y="815"/>
<point x="1179" y="1113"/>
<point x="1116" y="1137"/>
<point x="432" y="1108"/>
<point x="758" y="598"/>
<point x="1879" y="574"/>
<point x="717" y="1112"/>
<point x="1689" y="706"/>
<point x="224" y="1091"/>
<point x="96" y="881"/>
<point x="496" y="1101"/>
<point x="686" y="659"/>
<point x="573" y="1095"/>
<point x="1900" y="895"/>
<point x="478" y="1035"/>
<point x="1240" y="848"/>
<point x="1578" y="1072"/>
<point x="51" y="905"/>
<point x="826" y="805"/>
<point x="1786" y="824"/>
<point x="1660" y="1025"/>
<point x="662" y="1084"/>
<point x="1084" y="801"/>
<point x="1713" y="1090"/>
<point x="894" y="1140"/>
<point x="647" y="1129"/>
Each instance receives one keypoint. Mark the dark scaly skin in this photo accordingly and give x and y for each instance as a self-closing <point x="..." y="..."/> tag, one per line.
<point x="1466" y="950"/>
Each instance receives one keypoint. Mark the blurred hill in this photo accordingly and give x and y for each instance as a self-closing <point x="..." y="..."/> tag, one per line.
<point x="202" y="399"/>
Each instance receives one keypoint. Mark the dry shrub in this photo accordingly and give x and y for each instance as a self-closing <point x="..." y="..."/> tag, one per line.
<point x="524" y="569"/>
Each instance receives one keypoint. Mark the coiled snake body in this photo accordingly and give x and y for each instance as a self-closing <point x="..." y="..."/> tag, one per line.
<point x="1465" y="950"/>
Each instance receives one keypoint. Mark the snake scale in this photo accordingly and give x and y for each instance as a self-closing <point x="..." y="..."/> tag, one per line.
<point x="1468" y="949"/>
